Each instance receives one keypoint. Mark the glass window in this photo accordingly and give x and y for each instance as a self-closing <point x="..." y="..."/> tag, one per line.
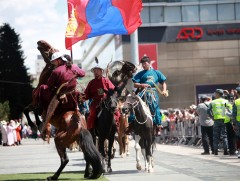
<point x="208" y="12"/>
<point x="237" y="8"/>
<point x="226" y="12"/>
<point x="156" y="14"/>
<point x="190" y="13"/>
<point x="172" y="14"/>
<point x="145" y="15"/>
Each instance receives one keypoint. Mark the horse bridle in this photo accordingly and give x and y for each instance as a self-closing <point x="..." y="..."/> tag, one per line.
<point x="107" y="102"/>
<point x="134" y="105"/>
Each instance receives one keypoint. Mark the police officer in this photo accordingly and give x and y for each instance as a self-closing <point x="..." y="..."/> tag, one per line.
<point x="236" y="119"/>
<point x="217" y="111"/>
<point x="229" y="127"/>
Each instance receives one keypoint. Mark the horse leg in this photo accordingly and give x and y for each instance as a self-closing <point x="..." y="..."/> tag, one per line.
<point x="102" y="151"/>
<point x="137" y="148"/>
<point x="120" y="145"/>
<point x="26" y="113"/>
<point x="63" y="156"/>
<point x="126" y="145"/>
<point x="110" y="147"/>
<point x="149" y="159"/>
<point x="38" y="121"/>
<point x="143" y="150"/>
<point x="113" y="149"/>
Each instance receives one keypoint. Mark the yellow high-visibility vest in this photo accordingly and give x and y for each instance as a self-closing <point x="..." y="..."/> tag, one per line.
<point x="237" y="103"/>
<point x="218" y="108"/>
<point x="227" y="118"/>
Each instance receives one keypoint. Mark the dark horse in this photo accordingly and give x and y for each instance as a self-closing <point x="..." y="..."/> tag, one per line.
<point x="143" y="129"/>
<point x="105" y="127"/>
<point x="71" y="126"/>
<point x="46" y="51"/>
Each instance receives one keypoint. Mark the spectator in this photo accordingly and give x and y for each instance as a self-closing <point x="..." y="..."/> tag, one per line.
<point x="18" y="131"/>
<point x="4" y="132"/>
<point x="24" y="131"/>
<point x="11" y="133"/>
<point x="206" y="124"/>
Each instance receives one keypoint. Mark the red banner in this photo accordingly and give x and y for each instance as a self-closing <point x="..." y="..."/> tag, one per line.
<point x="151" y="51"/>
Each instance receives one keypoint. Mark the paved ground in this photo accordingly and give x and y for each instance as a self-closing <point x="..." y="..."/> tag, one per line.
<point x="172" y="163"/>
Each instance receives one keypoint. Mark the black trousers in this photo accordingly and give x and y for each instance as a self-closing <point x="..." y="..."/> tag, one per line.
<point x="230" y="137"/>
<point x="207" y="137"/>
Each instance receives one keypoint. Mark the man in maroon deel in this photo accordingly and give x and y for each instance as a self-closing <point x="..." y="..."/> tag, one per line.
<point x="65" y="72"/>
<point x="95" y="91"/>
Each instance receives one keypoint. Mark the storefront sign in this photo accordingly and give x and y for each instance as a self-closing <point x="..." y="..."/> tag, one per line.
<point x="219" y="32"/>
<point x="190" y="33"/>
<point x="172" y="34"/>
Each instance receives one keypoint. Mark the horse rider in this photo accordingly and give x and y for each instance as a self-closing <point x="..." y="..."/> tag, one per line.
<point x="236" y="119"/>
<point x="149" y="78"/>
<point x="217" y="111"/>
<point x="96" y="91"/>
<point x="64" y="73"/>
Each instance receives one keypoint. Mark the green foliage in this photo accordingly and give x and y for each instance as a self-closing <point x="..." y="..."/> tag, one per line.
<point x="15" y="83"/>
<point x="4" y="110"/>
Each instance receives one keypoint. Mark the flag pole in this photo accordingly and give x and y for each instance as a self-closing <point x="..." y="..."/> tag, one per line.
<point x="71" y="54"/>
<point x="134" y="49"/>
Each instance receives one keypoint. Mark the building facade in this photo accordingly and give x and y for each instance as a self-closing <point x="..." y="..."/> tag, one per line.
<point x="197" y="45"/>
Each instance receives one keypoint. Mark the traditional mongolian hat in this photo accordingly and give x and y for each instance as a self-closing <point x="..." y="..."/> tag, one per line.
<point x="57" y="55"/>
<point x="96" y="66"/>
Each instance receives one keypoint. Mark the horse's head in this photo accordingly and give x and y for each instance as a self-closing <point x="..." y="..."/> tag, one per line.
<point x="110" y="102"/>
<point x="46" y="50"/>
<point x="131" y="101"/>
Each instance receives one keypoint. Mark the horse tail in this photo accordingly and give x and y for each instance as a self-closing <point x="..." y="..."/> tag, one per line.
<point x="91" y="153"/>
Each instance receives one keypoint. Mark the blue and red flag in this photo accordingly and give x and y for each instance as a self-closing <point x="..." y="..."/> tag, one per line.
<point x="90" y="18"/>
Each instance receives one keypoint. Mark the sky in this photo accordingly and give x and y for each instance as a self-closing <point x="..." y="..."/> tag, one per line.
<point x="36" y="20"/>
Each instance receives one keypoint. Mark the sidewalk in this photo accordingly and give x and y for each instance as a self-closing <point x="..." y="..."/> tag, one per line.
<point x="172" y="163"/>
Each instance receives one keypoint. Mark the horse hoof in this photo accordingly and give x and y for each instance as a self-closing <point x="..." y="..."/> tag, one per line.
<point x="128" y="153"/>
<point x="109" y="169"/>
<point x="139" y="167"/>
<point x="86" y="175"/>
<point x="150" y="170"/>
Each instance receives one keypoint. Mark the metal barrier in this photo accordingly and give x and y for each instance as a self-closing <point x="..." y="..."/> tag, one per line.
<point x="185" y="132"/>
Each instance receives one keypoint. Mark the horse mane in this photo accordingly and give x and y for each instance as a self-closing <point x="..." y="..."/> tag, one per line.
<point x="145" y="109"/>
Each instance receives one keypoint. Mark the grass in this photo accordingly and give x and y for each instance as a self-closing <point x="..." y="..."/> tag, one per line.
<point x="68" y="176"/>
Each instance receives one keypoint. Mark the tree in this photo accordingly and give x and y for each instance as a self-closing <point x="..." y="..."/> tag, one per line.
<point x="4" y="110"/>
<point x="15" y="83"/>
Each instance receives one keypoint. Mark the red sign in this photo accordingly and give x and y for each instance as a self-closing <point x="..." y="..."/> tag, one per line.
<point x="190" y="33"/>
<point x="151" y="51"/>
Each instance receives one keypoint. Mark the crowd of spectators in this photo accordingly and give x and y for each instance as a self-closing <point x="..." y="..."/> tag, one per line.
<point x="13" y="131"/>
<point x="183" y="126"/>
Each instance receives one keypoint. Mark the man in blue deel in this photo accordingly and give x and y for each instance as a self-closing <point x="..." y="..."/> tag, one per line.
<point x="149" y="78"/>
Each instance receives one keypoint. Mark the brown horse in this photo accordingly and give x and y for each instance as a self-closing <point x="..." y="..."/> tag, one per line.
<point x="122" y="137"/>
<point x="71" y="127"/>
<point x="46" y="51"/>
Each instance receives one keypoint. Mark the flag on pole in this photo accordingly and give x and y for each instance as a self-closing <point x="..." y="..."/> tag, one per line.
<point x="90" y="18"/>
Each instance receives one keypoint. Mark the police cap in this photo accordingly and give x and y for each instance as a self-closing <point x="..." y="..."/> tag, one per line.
<point x="219" y="91"/>
<point x="238" y="89"/>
